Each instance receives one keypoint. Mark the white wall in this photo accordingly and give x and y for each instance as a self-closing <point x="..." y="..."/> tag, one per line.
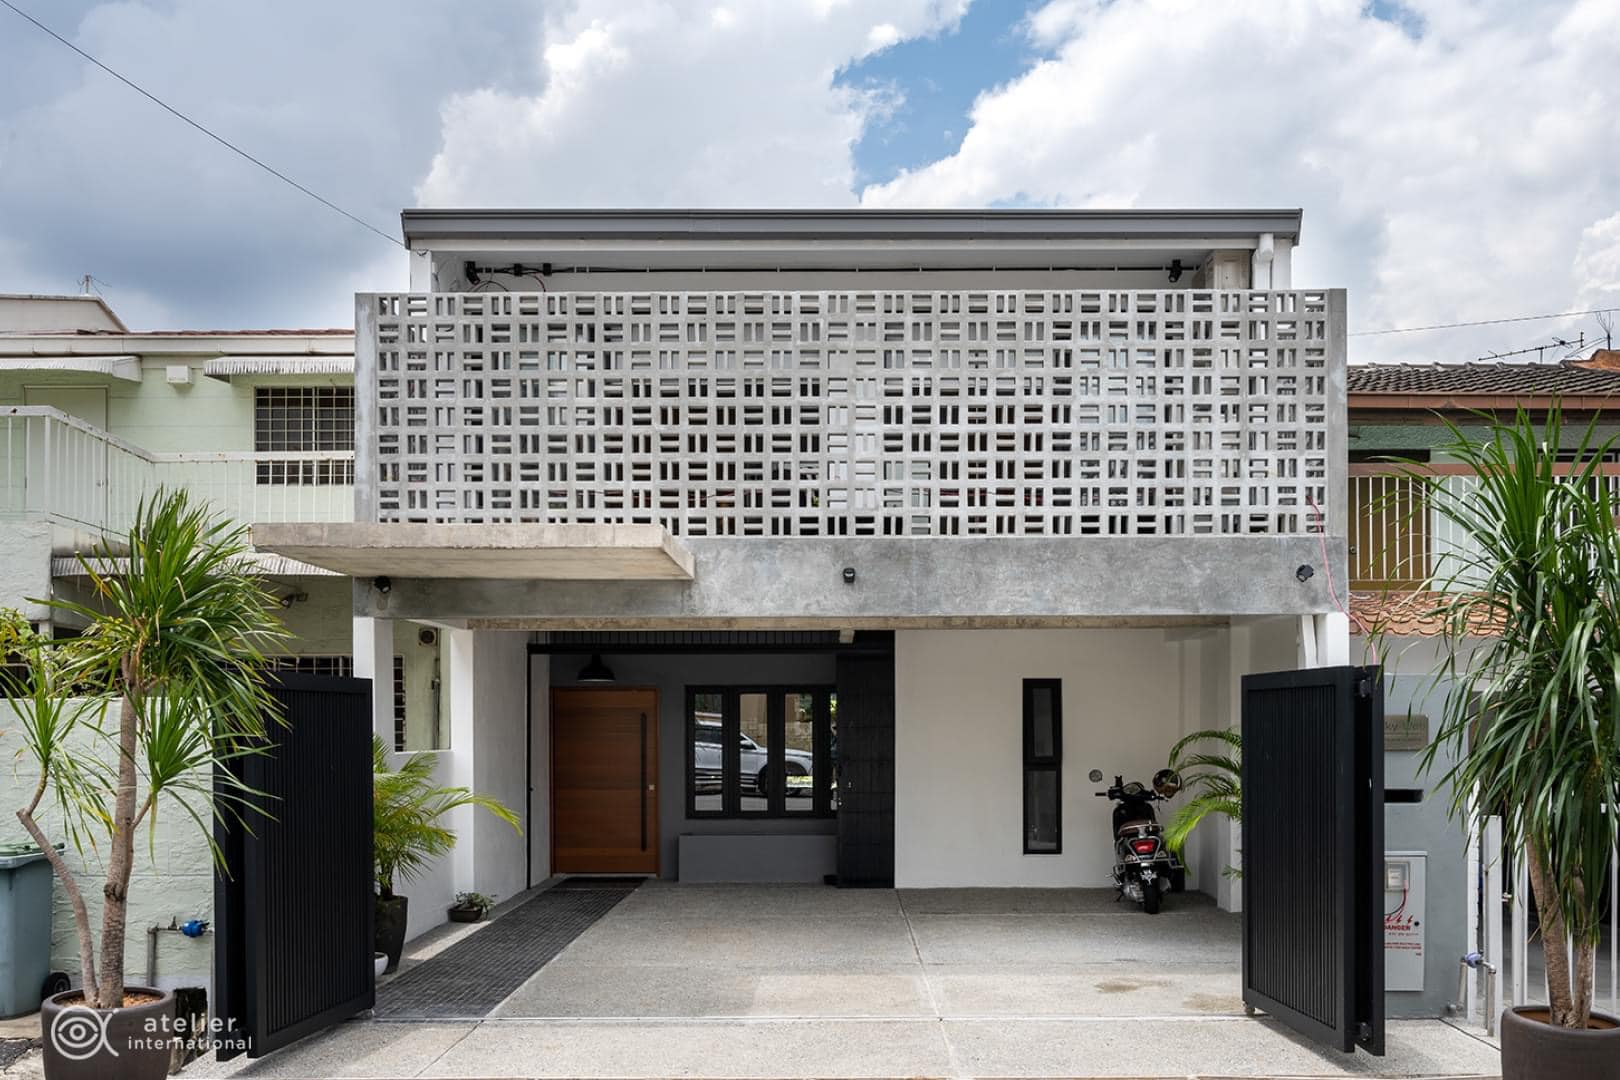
<point x="959" y="747"/>
<point x="500" y="759"/>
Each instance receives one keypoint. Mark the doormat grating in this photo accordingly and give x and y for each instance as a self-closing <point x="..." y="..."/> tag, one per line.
<point x="481" y="970"/>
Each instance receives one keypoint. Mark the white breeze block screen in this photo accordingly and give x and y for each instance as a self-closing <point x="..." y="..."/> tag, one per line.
<point x="1041" y="413"/>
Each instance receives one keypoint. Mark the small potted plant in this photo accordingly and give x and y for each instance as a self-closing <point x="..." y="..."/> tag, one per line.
<point x="408" y="833"/>
<point x="470" y="907"/>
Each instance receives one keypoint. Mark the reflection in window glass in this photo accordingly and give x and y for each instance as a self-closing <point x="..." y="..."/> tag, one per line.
<point x="1040" y="810"/>
<point x="799" y="752"/>
<point x="1043" y="746"/>
<point x="832" y="753"/>
<point x="753" y="769"/>
<point x="708" y="759"/>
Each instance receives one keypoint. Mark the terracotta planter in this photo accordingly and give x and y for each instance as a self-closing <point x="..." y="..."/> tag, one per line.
<point x="1533" y="1049"/>
<point x="391" y="921"/>
<point x="131" y="1043"/>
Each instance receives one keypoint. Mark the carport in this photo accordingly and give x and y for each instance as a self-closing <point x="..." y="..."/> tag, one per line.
<point x="802" y="980"/>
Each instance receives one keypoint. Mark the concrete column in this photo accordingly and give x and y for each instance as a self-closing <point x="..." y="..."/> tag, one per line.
<point x="489" y="751"/>
<point x="462" y="676"/>
<point x="1282" y="264"/>
<point x="421" y="271"/>
<point x="1332" y="639"/>
<point x="374" y="660"/>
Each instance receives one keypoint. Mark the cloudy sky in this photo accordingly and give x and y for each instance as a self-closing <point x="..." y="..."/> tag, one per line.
<point x="1455" y="160"/>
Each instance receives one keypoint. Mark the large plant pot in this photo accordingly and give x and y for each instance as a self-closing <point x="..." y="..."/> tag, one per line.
<point x="1533" y="1049"/>
<point x="391" y="919"/>
<point x="131" y="1043"/>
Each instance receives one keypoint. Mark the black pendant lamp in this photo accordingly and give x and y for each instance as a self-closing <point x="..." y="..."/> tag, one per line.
<point x="595" y="671"/>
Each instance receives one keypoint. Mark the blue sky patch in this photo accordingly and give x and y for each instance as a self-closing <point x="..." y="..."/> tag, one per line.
<point x="937" y="79"/>
<point x="1397" y="14"/>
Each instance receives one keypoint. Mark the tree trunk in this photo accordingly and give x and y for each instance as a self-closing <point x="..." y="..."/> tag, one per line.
<point x="70" y="885"/>
<point x="121" y="860"/>
<point x="1563" y="1008"/>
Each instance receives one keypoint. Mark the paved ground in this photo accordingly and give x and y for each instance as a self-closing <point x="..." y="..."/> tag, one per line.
<point x="789" y="981"/>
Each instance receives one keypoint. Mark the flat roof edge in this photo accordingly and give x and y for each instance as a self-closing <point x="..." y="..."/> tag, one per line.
<point x="872" y="224"/>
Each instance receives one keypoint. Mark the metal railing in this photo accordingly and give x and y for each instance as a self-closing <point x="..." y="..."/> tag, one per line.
<point x="62" y="469"/>
<point x="1398" y="535"/>
<point x="1509" y="970"/>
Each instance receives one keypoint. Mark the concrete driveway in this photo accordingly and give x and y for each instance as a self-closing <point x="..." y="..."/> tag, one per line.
<point x="802" y="981"/>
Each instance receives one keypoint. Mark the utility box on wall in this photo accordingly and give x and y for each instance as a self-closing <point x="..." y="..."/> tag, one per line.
<point x="1404" y="919"/>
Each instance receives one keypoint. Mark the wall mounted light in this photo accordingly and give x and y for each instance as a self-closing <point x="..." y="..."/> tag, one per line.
<point x="595" y="671"/>
<point x="849" y="575"/>
<point x="1305" y="572"/>
<point x="384" y="584"/>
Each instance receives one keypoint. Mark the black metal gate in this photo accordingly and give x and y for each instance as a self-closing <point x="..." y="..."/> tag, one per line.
<point x="293" y="904"/>
<point x="1313" y="852"/>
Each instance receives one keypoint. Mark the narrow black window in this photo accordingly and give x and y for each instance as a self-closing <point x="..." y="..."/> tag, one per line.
<point x="1043" y="764"/>
<point x="757" y="751"/>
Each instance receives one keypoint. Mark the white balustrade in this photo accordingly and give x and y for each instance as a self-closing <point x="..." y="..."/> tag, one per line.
<point x="59" y="468"/>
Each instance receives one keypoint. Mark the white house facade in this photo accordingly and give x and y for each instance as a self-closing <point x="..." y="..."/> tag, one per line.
<point x="829" y="545"/>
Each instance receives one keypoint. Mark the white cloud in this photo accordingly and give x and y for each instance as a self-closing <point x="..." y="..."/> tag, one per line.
<point x="1445" y="177"/>
<point x="659" y="103"/>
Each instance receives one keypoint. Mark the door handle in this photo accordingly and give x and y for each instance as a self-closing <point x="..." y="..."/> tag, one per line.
<point x="644" y="786"/>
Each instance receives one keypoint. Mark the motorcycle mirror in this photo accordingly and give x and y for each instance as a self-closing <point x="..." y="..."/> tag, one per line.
<point x="1166" y="782"/>
<point x="1095" y="776"/>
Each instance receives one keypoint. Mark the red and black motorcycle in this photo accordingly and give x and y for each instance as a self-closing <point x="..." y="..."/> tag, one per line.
<point x="1144" y="867"/>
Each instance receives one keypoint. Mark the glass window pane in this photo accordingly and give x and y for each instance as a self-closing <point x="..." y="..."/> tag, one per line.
<point x="1043" y="723"/>
<point x="754" y="754"/>
<point x="832" y="752"/>
<point x="707" y="760"/>
<point x="1040" y="810"/>
<point x="799" y="751"/>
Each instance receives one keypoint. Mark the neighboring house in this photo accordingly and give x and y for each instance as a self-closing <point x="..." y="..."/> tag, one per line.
<point x="955" y="507"/>
<point x="260" y="424"/>
<point x="1397" y="423"/>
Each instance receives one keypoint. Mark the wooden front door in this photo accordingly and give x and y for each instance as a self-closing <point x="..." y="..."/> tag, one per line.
<point x="604" y="781"/>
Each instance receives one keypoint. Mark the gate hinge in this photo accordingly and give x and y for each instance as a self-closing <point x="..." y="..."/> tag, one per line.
<point x="1364" y="687"/>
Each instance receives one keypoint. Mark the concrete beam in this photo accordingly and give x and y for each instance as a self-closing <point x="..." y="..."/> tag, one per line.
<point x="1003" y="581"/>
<point x="508" y="552"/>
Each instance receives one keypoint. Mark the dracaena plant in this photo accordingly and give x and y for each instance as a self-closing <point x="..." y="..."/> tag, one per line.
<point x="127" y="720"/>
<point x="1531" y="672"/>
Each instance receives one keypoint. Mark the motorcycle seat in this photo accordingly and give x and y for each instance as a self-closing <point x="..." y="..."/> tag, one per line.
<point x="1135" y="823"/>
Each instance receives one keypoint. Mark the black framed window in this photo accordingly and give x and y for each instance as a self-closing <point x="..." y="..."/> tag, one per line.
<point x="758" y="751"/>
<point x="1043" y="766"/>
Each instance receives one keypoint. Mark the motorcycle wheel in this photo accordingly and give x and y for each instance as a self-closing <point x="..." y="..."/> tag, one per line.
<point x="1151" y="897"/>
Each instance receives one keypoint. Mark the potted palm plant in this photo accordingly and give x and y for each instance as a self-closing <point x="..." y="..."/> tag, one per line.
<point x="1531" y="713"/>
<point x="130" y="717"/>
<point x="408" y="810"/>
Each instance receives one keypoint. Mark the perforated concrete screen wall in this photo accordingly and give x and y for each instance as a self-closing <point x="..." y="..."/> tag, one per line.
<point x="982" y="413"/>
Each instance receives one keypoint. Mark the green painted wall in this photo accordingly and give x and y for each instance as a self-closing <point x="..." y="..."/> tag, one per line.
<point x="206" y="414"/>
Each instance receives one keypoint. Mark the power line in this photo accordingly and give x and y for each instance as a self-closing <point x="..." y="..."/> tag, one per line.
<point x="1477" y="322"/>
<point x="283" y="177"/>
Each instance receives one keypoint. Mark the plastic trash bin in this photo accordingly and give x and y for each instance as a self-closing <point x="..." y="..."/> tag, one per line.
<point x="25" y="928"/>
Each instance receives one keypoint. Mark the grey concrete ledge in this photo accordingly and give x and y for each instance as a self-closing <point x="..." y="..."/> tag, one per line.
<point x="499" y="552"/>
<point x="1023" y="581"/>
